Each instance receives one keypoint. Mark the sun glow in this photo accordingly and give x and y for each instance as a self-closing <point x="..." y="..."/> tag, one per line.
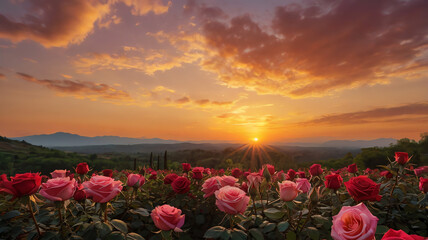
<point x="255" y="139"/>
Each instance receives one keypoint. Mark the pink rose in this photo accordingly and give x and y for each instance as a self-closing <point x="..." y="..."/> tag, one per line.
<point x="303" y="185"/>
<point x="102" y="189"/>
<point x="60" y="173"/>
<point x="211" y="185"/>
<point x="254" y="180"/>
<point x="59" y="189"/>
<point x="231" y="200"/>
<point x="420" y="170"/>
<point x="288" y="190"/>
<point x="228" y="181"/>
<point x="135" y="180"/>
<point x="355" y="222"/>
<point x="168" y="218"/>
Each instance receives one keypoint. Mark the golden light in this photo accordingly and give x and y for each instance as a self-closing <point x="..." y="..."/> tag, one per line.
<point x="255" y="139"/>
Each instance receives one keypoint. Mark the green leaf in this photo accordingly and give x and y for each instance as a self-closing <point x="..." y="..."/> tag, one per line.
<point x="256" y="234"/>
<point x="291" y="236"/>
<point x="134" y="236"/>
<point x="283" y="226"/>
<point x="381" y="229"/>
<point x="269" y="227"/>
<point x="119" y="225"/>
<point x="274" y="213"/>
<point x="103" y="228"/>
<point x="9" y="215"/>
<point x="116" y="236"/>
<point x="140" y="211"/>
<point x="313" y="233"/>
<point x="214" y="232"/>
<point x="238" y="234"/>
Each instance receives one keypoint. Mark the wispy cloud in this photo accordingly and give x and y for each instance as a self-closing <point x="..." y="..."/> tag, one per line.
<point x="407" y="113"/>
<point x="81" y="89"/>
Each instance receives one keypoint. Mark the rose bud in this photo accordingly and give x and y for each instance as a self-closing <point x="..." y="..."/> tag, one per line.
<point x="80" y="193"/>
<point x="315" y="170"/>
<point x="291" y="174"/>
<point x="423" y="184"/>
<point x="197" y="173"/>
<point x="401" y="157"/>
<point x="186" y="167"/>
<point x="400" y="235"/>
<point x="108" y="172"/>
<point x="236" y="172"/>
<point x="82" y="168"/>
<point x="352" y="168"/>
<point x="333" y="181"/>
<point x="386" y="174"/>
<point x="135" y="180"/>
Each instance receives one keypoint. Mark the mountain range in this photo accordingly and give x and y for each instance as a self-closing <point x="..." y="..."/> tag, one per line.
<point x="62" y="139"/>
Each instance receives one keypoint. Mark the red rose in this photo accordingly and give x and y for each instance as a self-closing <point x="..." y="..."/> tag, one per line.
<point x="220" y="172"/>
<point x="186" y="167"/>
<point x="153" y="175"/>
<point x="108" y="172"/>
<point x="170" y="178"/>
<point x="181" y="185"/>
<point x="400" y="234"/>
<point x="315" y="170"/>
<point x="363" y="188"/>
<point x="197" y="173"/>
<point x="423" y="184"/>
<point x="301" y="174"/>
<point x="333" y="181"/>
<point x="21" y="185"/>
<point x="82" y="168"/>
<point x="291" y="174"/>
<point x="401" y="157"/>
<point x="236" y="172"/>
<point x="386" y="174"/>
<point x="352" y="168"/>
<point x="80" y="193"/>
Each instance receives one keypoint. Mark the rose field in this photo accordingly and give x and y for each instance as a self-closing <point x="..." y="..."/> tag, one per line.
<point x="389" y="202"/>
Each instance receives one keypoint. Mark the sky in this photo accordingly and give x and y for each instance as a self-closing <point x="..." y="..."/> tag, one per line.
<point x="281" y="71"/>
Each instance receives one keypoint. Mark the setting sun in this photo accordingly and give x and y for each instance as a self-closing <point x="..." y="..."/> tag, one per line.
<point x="255" y="139"/>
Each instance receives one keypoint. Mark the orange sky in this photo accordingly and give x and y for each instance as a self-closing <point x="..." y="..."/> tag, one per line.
<point x="215" y="70"/>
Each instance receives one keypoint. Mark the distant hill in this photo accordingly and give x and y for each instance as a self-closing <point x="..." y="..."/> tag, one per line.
<point x="356" y="144"/>
<point x="62" y="139"/>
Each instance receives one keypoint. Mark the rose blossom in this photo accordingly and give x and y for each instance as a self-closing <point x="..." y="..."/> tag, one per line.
<point x="244" y="187"/>
<point x="135" y="180"/>
<point x="211" y="185"/>
<point x="153" y="175"/>
<point x="363" y="188"/>
<point x="186" y="167"/>
<point x="170" y="178"/>
<point x="197" y="173"/>
<point x="228" y="181"/>
<point x="354" y="222"/>
<point x="231" y="200"/>
<point x="60" y="173"/>
<point x="423" y="184"/>
<point x="254" y="180"/>
<point x="303" y="185"/>
<point x="352" y="168"/>
<point x="102" y="189"/>
<point x="80" y="193"/>
<point x="108" y="172"/>
<point x="386" y="174"/>
<point x="401" y="157"/>
<point x="181" y="185"/>
<point x="301" y="174"/>
<point x="291" y="174"/>
<point x="333" y="181"/>
<point x="400" y="234"/>
<point x="236" y="172"/>
<point x="168" y="218"/>
<point x="59" y="189"/>
<point x="315" y="170"/>
<point x="82" y="168"/>
<point x="288" y="190"/>
<point x="421" y="170"/>
<point x="21" y="185"/>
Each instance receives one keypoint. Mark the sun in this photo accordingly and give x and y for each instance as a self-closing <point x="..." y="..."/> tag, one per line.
<point x="255" y="139"/>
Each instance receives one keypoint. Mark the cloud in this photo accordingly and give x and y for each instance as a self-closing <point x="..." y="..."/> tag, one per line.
<point x="55" y="23"/>
<point x="402" y="113"/>
<point x="318" y="49"/>
<point x="2" y="76"/>
<point x="81" y="89"/>
<point x="142" y="7"/>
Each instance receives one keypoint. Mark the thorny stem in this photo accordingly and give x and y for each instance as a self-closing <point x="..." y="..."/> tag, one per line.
<point x="390" y="197"/>
<point x="32" y="215"/>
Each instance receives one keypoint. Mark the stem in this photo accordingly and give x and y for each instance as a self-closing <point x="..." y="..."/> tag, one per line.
<point x="105" y="214"/>
<point x="390" y="197"/>
<point x="231" y="222"/>
<point x="32" y="215"/>
<point x="254" y="208"/>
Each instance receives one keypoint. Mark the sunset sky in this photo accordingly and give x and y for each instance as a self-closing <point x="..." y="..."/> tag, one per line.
<point x="216" y="69"/>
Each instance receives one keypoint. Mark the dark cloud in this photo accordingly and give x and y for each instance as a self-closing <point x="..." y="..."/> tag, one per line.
<point x="182" y="100"/>
<point x="409" y="112"/>
<point x="317" y="49"/>
<point x="80" y="89"/>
